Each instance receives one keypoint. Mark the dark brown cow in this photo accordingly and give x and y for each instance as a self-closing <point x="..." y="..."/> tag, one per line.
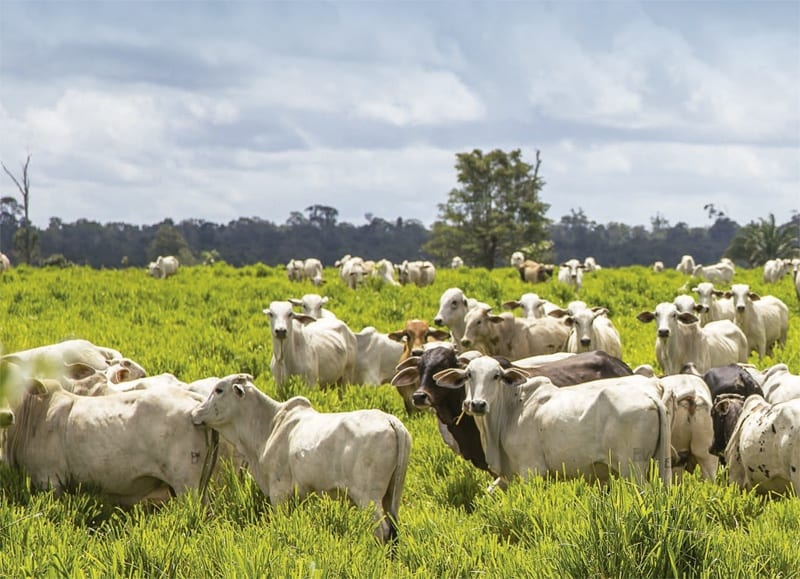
<point x="447" y="402"/>
<point x="535" y="272"/>
<point x="414" y="336"/>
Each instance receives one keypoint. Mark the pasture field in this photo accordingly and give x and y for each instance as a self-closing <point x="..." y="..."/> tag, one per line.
<point x="208" y="321"/>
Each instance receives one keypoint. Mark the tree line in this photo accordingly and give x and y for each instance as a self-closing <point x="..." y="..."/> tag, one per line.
<point x="495" y="210"/>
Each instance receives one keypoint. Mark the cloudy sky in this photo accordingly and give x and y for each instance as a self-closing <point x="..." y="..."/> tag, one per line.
<point x="136" y="111"/>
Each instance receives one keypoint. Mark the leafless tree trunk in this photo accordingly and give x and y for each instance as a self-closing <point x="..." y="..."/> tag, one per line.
<point x="25" y="190"/>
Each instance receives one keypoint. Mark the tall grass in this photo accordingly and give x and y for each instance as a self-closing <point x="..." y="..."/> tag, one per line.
<point x="208" y="321"/>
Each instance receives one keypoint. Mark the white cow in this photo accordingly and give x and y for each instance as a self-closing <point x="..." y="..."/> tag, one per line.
<point x="764" y="449"/>
<point x="692" y="427"/>
<point x="685" y="303"/>
<point x="510" y="336"/>
<point x="319" y="351"/>
<point x="590" y="264"/>
<point x="453" y="308"/>
<point x="764" y="320"/>
<point x="376" y="358"/>
<point x="712" y="305"/>
<point x="780" y="385"/>
<point x="420" y="273"/>
<point x="680" y="340"/>
<point x="532" y="306"/>
<point x="775" y="269"/>
<point x="351" y="270"/>
<point x="49" y="361"/>
<point x="456" y="262"/>
<point x="591" y="330"/>
<point x="517" y="258"/>
<point x="718" y="273"/>
<point x="313" y="305"/>
<point x="528" y="426"/>
<point x="686" y="265"/>
<point x="658" y="266"/>
<point x="384" y="270"/>
<point x="293" y="449"/>
<point x="312" y="270"/>
<point x="163" y="267"/>
<point x="295" y="269"/>
<point x="130" y="444"/>
<point x="571" y="273"/>
<point x="5" y="263"/>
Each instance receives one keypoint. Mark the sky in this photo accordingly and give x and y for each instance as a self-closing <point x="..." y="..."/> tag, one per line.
<point x="137" y="111"/>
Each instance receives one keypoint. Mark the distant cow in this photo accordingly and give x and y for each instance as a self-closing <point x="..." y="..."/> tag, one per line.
<point x="163" y="267"/>
<point x="534" y="272"/>
<point x="686" y="265"/>
<point x="529" y="426"/>
<point x="680" y="340"/>
<point x="319" y="351"/>
<point x="718" y="273"/>
<point x="312" y="270"/>
<point x="658" y="266"/>
<point x="517" y="258"/>
<point x="420" y="273"/>
<point x="384" y="271"/>
<point x="456" y="262"/>
<point x="571" y="273"/>
<point x="590" y="265"/>
<point x="775" y="269"/>
<point x="130" y="444"/>
<point x="292" y="449"/>
<point x="764" y="320"/>
<point x="5" y="263"/>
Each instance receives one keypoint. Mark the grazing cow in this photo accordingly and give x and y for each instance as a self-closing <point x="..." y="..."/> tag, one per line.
<point x="713" y="306"/>
<point x="293" y="449"/>
<point x="775" y="269"/>
<point x="414" y="335"/>
<point x="529" y="426"/>
<point x="534" y="272"/>
<point x="532" y="306"/>
<point x="456" y="262"/>
<point x="312" y="270"/>
<point x="295" y="269"/>
<point x="780" y="385"/>
<point x="571" y="273"/>
<point x="590" y="265"/>
<point x="377" y="357"/>
<point x="461" y="432"/>
<point x="764" y="449"/>
<point x="420" y="273"/>
<point x="163" y="267"/>
<point x="5" y="263"/>
<point x="764" y="320"/>
<point x="717" y="273"/>
<point x="692" y="425"/>
<point x="680" y="340"/>
<point x="685" y="303"/>
<point x="517" y="258"/>
<point x="512" y="337"/>
<point x="686" y="265"/>
<point x="313" y="305"/>
<point x="319" y="351"/>
<point x="591" y="330"/>
<point x="352" y="271"/>
<point x="384" y="270"/>
<point x="130" y="444"/>
<point x="658" y="266"/>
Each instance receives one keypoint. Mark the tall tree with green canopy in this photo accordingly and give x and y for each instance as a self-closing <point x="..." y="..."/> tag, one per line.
<point x="495" y="210"/>
<point x="169" y="241"/>
<point x="760" y="241"/>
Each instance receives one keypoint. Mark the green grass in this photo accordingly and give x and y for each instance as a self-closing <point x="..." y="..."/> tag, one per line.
<point x="208" y="321"/>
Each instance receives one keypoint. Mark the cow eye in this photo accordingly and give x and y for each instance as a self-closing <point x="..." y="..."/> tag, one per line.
<point x="218" y="390"/>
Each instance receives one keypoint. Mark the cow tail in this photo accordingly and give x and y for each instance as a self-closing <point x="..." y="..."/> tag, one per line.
<point x="212" y="453"/>
<point x="664" y="452"/>
<point x="391" y="500"/>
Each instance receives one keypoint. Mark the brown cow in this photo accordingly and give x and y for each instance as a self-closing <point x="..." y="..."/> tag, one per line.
<point x="535" y="272"/>
<point x="414" y="335"/>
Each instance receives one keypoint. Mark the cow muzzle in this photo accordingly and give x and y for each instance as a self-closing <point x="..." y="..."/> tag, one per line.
<point x="475" y="407"/>
<point x="585" y="342"/>
<point x="438" y="321"/>
<point x="6" y="418"/>
<point x="466" y="342"/>
<point x="663" y="333"/>
<point x="280" y="333"/>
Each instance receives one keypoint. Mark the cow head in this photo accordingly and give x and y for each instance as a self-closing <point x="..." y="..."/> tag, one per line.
<point x="280" y="316"/>
<point x="312" y="304"/>
<point x="742" y="297"/>
<point x="532" y="305"/>
<point x="483" y="381"/>
<point x="222" y="404"/>
<point x="724" y="415"/>
<point x="452" y="307"/>
<point x="667" y="319"/>
<point x="478" y="329"/>
<point x="415" y="335"/>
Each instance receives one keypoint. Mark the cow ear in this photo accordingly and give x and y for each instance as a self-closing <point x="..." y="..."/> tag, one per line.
<point x="295" y="301"/>
<point x="558" y="313"/>
<point x="694" y="289"/>
<point x="753" y="296"/>
<point x="238" y="389"/>
<point x="439" y="335"/>
<point x="406" y="377"/>
<point x="410" y="362"/>
<point x="727" y="294"/>
<point x="687" y="318"/>
<point x="496" y="319"/>
<point x="304" y="319"/>
<point x="717" y="293"/>
<point x="79" y="371"/>
<point x="398" y="336"/>
<point x="646" y="317"/>
<point x="38" y="387"/>
<point x="451" y="378"/>
<point x="600" y="311"/>
<point x="514" y="376"/>
<point x="324" y="299"/>
<point x="510" y="305"/>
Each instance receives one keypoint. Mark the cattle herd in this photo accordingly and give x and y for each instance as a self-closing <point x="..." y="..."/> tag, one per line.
<point x="545" y="392"/>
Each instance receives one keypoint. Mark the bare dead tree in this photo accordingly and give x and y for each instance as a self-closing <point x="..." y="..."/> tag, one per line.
<point x="25" y="191"/>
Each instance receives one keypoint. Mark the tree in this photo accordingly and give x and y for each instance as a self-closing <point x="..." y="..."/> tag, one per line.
<point x="25" y="237"/>
<point x="169" y="241"/>
<point x="495" y="211"/>
<point x="760" y="241"/>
